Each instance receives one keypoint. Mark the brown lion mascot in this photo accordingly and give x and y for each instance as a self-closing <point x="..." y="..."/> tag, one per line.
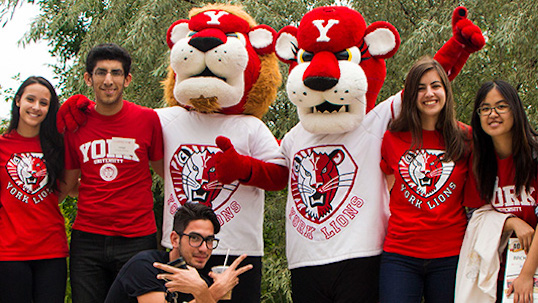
<point x="223" y="77"/>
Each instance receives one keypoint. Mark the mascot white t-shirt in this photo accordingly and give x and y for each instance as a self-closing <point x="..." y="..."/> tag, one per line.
<point x="337" y="196"/>
<point x="189" y="146"/>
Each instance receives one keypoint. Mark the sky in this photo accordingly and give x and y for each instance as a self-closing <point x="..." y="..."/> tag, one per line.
<point x="28" y="61"/>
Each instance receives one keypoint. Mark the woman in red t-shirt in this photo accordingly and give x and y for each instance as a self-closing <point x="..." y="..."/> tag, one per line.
<point x="424" y="155"/>
<point x="33" y="245"/>
<point x="505" y="164"/>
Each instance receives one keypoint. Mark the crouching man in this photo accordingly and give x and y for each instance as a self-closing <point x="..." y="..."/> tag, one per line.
<point x="146" y="278"/>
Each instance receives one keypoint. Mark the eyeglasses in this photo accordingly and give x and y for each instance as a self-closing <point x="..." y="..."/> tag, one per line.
<point x="101" y="73"/>
<point x="499" y="109"/>
<point x="196" y="240"/>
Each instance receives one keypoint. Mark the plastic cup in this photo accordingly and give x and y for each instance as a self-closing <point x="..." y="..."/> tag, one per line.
<point x="219" y="270"/>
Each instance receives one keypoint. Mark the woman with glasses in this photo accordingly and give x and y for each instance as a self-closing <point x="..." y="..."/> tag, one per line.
<point x="424" y="156"/>
<point x="505" y="165"/>
<point x="33" y="246"/>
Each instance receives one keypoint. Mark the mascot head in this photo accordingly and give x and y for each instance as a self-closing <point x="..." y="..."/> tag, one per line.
<point x="221" y="61"/>
<point x="337" y="66"/>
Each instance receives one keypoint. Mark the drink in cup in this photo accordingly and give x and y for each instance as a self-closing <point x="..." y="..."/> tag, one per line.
<point x="219" y="270"/>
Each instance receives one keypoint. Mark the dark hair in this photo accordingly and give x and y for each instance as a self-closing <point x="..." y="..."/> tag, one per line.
<point x="52" y="143"/>
<point x="191" y="212"/>
<point x="409" y="119"/>
<point x="108" y="51"/>
<point x="524" y="144"/>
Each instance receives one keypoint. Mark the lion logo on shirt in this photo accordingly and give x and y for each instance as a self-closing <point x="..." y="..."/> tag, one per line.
<point x="320" y="181"/>
<point x="425" y="171"/>
<point x="28" y="171"/>
<point x="192" y="169"/>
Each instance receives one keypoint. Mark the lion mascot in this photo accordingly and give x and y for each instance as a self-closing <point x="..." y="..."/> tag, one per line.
<point x="223" y="77"/>
<point x="337" y="206"/>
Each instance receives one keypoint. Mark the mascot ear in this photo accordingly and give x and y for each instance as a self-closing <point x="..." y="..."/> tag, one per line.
<point x="286" y="44"/>
<point x="178" y="30"/>
<point x="382" y="39"/>
<point x="262" y="38"/>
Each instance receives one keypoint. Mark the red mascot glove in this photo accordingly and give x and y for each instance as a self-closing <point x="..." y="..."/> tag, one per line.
<point x="231" y="166"/>
<point x="72" y="113"/>
<point x="466" y="38"/>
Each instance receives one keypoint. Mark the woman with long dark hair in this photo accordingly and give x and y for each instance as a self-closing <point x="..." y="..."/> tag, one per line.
<point x="424" y="156"/>
<point x="505" y="165"/>
<point x="33" y="246"/>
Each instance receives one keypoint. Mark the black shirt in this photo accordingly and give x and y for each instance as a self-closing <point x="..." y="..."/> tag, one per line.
<point x="138" y="277"/>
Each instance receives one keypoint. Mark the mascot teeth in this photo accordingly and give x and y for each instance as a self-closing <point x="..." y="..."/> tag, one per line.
<point x="327" y="108"/>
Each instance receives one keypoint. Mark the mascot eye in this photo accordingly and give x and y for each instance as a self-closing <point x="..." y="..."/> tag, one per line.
<point x="352" y="54"/>
<point x="343" y="55"/>
<point x="238" y="36"/>
<point x="212" y="169"/>
<point x="304" y="56"/>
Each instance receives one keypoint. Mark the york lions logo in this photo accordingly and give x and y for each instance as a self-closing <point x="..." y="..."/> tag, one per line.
<point x="192" y="169"/>
<point x="321" y="180"/>
<point x="424" y="171"/>
<point x="28" y="171"/>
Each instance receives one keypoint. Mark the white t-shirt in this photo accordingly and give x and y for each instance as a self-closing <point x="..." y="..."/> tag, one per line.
<point x="189" y="175"/>
<point x="337" y="207"/>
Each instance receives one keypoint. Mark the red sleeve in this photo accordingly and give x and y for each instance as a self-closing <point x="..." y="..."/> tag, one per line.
<point x="157" y="147"/>
<point x="71" y="157"/>
<point x="471" y="196"/>
<point x="384" y="165"/>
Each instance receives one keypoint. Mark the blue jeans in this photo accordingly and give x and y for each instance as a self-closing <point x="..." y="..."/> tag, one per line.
<point x="406" y="279"/>
<point x="96" y="260"/>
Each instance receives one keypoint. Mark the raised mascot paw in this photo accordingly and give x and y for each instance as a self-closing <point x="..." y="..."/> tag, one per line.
<point x="230" y="165"/>
<point x="466" y="32"/>
<point x="72" y="113"/>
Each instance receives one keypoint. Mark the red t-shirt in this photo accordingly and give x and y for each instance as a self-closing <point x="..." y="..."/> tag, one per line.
<point x="113" y="154"/>
<point x="427" y="216"/>
<point x="504" y="199"/>
<point x="31" y="224"/>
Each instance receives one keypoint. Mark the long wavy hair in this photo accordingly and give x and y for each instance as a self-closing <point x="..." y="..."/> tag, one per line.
<point x="455" y="138"/>
<point x="52" y="143"/>
<point x="524" y="143"/>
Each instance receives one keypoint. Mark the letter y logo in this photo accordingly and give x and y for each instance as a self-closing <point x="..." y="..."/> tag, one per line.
<point x="215" y="16"/>
<point x="324" y="29"/>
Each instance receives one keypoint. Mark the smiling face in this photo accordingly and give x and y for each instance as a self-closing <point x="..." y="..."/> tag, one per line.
<point x="194" y="256"/>
<point x="108" y="81"/>
<point x="498" y="126"/>
<point x="33" y="108"/>
<point x="431" y="98"/>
